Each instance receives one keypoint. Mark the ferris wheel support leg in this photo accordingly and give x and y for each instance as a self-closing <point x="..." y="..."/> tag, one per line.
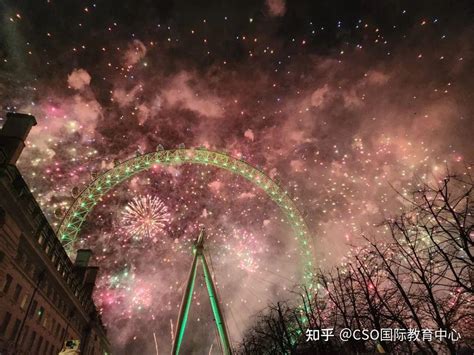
<point x="184" y="309"/>
<point x="216" y="309"/>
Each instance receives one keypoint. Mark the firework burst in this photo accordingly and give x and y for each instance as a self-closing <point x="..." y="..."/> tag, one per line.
<point x="244" y="248"/>
<point x="145" y="217"/>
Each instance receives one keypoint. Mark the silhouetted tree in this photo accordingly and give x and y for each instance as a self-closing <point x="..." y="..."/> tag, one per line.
<point x="417" y="274"/>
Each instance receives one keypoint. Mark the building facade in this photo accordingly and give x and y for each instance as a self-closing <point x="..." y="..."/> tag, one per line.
<point x="45" y="298"/>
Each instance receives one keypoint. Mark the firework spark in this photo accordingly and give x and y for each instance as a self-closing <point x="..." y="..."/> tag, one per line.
<point x="338" y="109"/>
<point x="145" y="217"/>
<point x="244" y="249"/>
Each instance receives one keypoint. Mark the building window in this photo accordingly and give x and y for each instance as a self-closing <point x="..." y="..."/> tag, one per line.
<point x="33" y="309"/>
<point x="40" y="314"/>
<point x="24" y="300"/>
<point x="44" y="285"/>
<point x="17" y="293"/>
<point x="24" y="335"/>
<point x="40" y="342"/>
<point x="25" y="263"/>
<point x="47" y="248"/>
<point x="31" y="206"/>
<point x="45" y="321"/>
<point x="15" y="329"/>
<point x="7" y="283"/>
<point x="5" y="322"/>
<point x="20" y="256"/>
<point x="32" y="340"/>
<point x="41" y="239"/>
<point x="31" y="269"/>
<point x="37" y="275"/>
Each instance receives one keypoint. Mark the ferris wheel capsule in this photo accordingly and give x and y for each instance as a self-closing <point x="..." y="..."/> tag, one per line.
<point x="75" y="192"/>
<point x="159" y="147"/>
<point x="59" y="213"/>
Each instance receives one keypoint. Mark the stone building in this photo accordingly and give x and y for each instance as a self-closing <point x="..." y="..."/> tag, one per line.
<point x="45" y="298"/>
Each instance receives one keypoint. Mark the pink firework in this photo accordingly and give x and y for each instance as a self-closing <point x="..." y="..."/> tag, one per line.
<point x="145" y="217"/>
<point x="245" y="248"/>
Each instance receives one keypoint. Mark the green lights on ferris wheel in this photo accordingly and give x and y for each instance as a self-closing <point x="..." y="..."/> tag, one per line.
<point x="76" y="215"/>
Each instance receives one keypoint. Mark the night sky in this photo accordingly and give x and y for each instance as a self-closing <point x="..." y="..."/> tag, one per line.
<point x="343" y="102"/>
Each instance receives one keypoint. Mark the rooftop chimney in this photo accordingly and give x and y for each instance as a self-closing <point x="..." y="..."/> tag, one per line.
<point x="89" y="278"/>
<point x="13" y="135"/>
<point x="82" y="257"/>
<point x="86" y="274"/>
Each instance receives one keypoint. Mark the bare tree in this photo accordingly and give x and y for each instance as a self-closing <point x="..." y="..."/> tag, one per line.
<point x="418" y="275"/>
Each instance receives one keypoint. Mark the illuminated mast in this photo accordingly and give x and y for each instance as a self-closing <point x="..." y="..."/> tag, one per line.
<point x="198" y="251"/>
